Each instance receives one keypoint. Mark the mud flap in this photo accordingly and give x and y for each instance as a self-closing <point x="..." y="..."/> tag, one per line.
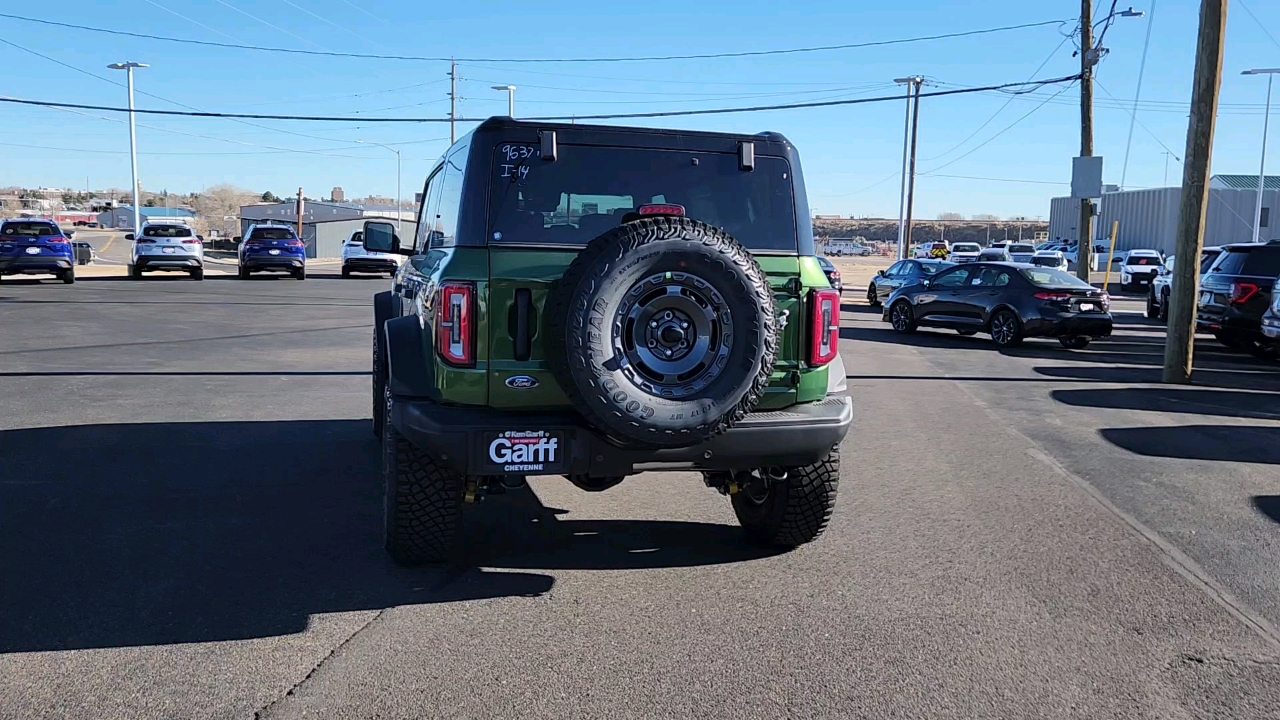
<point x="410" y="372"/>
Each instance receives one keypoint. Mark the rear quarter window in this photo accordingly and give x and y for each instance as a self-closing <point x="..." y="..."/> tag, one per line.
<point x="1258" y="261"/>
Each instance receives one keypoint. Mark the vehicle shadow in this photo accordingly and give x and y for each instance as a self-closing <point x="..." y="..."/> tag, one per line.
<point x="1268" y="505"/>
<point x="1235" y="377"/>
<point x="145" y="534"/>
<point x="1227" y="443"/>
<point x="1224" y="403"/>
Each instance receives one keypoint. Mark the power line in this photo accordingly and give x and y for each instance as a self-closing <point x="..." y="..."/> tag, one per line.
<point x="1260" y="25"/>
<point x="991" y="179"/>
<point x="419" y="58"/>
<point x="264" y="22"/>
<point x="614" y="116"/>
<point x="184" y="17"/>
<point x="996" y="114"/>
<point x="1135" y="119"/>
<point x="1007" y="128"/>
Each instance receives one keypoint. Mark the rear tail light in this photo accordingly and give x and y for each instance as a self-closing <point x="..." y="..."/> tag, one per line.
<point x="191" y="241"/>
<point x="835" y="274"/>
<point x="455" y="339"/>
<point x="56" y="239"/>
<point x="1242" y="292"/>
<point x="252" y="242"/>
<point x="1053" y="296"/>
<point x="294" y="242"/>
<point x="144" y="241"/>
<point x="824" y="326"/>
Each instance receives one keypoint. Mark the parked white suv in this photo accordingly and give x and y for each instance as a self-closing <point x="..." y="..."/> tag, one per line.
<point x="1139" y="269"/>
<point x="168" y="247"/>
<point x="356" y="259"/>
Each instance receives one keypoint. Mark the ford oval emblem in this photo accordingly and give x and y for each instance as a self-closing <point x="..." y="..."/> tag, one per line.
<point x="522" y="382"/>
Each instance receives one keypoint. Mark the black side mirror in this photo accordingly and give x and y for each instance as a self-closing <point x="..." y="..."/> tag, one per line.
<point x="881" y="273"/>
<point x="236" y="239"/>
<point x="128" y="236"/>
<point x="381" y="237"/>
<point x="926" y="283"/>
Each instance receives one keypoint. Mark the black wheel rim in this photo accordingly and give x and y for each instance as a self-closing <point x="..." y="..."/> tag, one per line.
<point x="1003" y="328"/>
<point x="672" y="334"/>
<point x="901" y="316"/>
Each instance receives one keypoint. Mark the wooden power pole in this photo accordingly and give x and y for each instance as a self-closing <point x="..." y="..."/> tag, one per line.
<point x="1180" y="343"/>
<point x="1084" y="244"/>
<point x="453" y="101"/>
<point x="911" y="176"/>
<point x="300" y="211"/>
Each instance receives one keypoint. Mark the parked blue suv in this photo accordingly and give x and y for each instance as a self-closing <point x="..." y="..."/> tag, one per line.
<point x="36" y="247"/>
<point x="273" y="248"/>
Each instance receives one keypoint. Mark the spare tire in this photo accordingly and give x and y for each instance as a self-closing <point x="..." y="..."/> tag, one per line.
<point x="663" y="332"/>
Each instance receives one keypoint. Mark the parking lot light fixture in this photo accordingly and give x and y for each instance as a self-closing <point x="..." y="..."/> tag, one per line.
<point x="511" y="98"/>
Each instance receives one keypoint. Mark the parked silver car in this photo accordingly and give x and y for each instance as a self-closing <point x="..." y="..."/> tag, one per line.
<point x="166" y="246"/>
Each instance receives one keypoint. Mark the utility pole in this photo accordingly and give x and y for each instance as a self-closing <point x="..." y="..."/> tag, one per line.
<point x="300" y="209"/>
<point x="453" y="100"/>
<point x="1180" y="343"/>
<point x="1084" y="246"/>
<point x="911" y="173"/>
<point x="910" y="82"/>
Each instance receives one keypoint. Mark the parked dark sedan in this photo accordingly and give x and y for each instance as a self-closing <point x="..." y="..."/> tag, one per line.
<point x="900" y="274"/>
<point x="833" y="275"/>
<point x="1011" y="301"/>
<point x="1235" y="293"/>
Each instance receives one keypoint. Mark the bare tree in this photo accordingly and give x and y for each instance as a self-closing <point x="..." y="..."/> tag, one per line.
<point x="218" y="208"/>
<point x="986" y="217"/>
<point x="950" y="216"/>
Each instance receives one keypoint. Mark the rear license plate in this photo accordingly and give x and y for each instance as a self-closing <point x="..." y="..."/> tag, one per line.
<point x="1088" y="307"/>
<point x="274" y="252"/>
<point x="33" y="251"/>
<point x="521" y="452"/>
<point x="170" y="250"/>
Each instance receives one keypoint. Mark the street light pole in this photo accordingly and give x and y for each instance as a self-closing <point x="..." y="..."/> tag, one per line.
<point x="397" y="152"/>
<point x="1262" y="163"/>
<point x="511" y="98"/>
<point x="133" y="138"/>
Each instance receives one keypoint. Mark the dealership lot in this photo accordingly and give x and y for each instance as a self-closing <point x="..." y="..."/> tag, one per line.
<point x="193" y="515"/>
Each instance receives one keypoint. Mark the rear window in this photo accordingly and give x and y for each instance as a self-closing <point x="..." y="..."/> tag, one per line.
<point x="931" y="268"/>
<point x="1046" y="261"/>
<point x="1021" y="249"/>
<point x="1044" y="277"/>
<point x="271" y="233"/>
<point x="166" y="231"/>
<point x="825" y="263"/>
<point x="966" y="248"/>
<point x="29" y="229"/>
<point x="356" y="239"/>
<point x="1142" y="260"/>
<point x="589" y="190"/>
<point x="1259" y="261"/>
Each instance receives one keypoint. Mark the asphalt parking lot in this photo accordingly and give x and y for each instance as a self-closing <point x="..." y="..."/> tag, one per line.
<point x="192" y="505"/>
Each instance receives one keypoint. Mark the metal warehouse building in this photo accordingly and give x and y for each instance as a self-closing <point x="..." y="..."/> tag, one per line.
<point x="325" y="225"/>
<point x="1149" y="218"/>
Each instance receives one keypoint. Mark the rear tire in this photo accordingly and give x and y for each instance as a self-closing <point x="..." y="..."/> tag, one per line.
<point x="902" y="317"/>
<point x="300" y="274"/>
<point x="197" y="273"/>
<point x="423" y="500"/>
<point x="242" y="273"/>
<point x="872" y="299"/>
<point x="1229" y="341"/>
<point x="346" y="271"/>
<point x="1164" y="306"/>
<point x="1075" y="342"/>
<point x="135" y="272"/>
<point x="1153" y="310"/>
<point x="1006" y="329"/>
<point x="68" y="276"/>
<point x="793" y="511"/>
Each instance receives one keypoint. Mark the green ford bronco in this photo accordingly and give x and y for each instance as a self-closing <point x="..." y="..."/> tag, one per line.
<point x="596" y="302"/>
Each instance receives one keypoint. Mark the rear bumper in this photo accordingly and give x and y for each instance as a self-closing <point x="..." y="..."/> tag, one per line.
<point x="1214" y="319"/>
<point x="799" y="435"/>
<point x="275" y="262"/>
<point x="167" y="262"/>
<point x="370" y="264"/>
<point x="1067" y="324"/>
<point x="35" y="264"/>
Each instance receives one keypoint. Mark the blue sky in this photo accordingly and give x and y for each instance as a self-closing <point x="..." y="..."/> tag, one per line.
<point x="846" y="150"/>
